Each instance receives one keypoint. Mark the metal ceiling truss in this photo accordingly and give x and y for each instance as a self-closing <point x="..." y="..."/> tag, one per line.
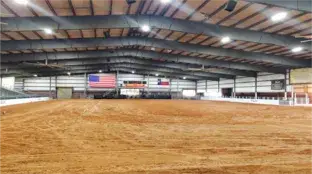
<point x="136" y="21"/>
<point x="150" y="42"/>
<point x="142" y="63"/>
<point x="114" y="68"/>
<point x="301" y="5"/>
<point x="139" y="54"/>
<point x="125" y="60"/>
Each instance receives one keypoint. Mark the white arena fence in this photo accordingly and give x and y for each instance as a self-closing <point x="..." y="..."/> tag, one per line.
<point x="261" y="100"/>
<point x="7" y="102"/>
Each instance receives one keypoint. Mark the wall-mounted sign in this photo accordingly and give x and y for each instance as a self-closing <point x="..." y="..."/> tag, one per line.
<point x="135" y="84"/>
<point x="277" y="84"/>
<point x="130" y="92"/>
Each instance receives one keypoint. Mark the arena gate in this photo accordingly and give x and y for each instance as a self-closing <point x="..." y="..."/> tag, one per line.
<point x="64" y="92"/>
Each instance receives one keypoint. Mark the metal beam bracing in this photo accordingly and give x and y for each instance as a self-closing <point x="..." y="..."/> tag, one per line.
<point x="152" y="42"/>
<point x="143" y="65"/>
<point x="138" y="54"/>
<point x="82" y="70"/>
<point x="136" y="21"/>
<point x="155" y="69"/>
<point x="134" y="60"/>
<point x="301" y="5"/>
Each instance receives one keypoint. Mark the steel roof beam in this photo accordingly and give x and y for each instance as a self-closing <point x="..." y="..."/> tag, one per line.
<point x="139" y="54"/>
<point x="138" y="70"/>
<point x="125" y="60"/>
<point x="152" y="42"/>
<point x="136" y="21"/>
<point x="301" y="5"/>
<point x="136" y="60"/>
<point x="142" y="64"/>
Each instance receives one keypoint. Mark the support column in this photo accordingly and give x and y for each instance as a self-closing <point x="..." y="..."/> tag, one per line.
<point x="85" y="85"/>
<point x="55" y="81"/>
<point x="256" y="86"/>
<point x="218" y="85"/>
<point x="117" y="88"/>
<point x="148" y="81"/>
<point x="196" y="86"/>
<point x="234" y="90"/>
<point x="170" y="86"/>
<point x="285" y="90"/>
<point x="206" y="85"/>
<point x="0" y="80"/>
<point x="23" y="85"/>
<point x="178" y="84"/>
<point x="50" y="87"/>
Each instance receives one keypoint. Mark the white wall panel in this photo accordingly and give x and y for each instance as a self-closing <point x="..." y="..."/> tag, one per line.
<point x="78" y="83"/>
<point x="247" y="84"/>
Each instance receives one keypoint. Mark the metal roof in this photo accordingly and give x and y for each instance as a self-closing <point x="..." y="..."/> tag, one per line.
<point x="185" y="33"/>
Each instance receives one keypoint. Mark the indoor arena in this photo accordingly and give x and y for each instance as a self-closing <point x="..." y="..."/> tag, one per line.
<point x="156" y="87"/>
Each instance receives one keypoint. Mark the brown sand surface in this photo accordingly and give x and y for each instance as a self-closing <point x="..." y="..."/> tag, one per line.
<point x="154" y="136"/>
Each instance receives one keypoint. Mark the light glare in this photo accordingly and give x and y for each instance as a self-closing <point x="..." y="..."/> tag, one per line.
<point x="48" y="31"/>
<point x="145" y="28"/>
<point x="226" y="39"/>
<point x="279" y="16"/>
<point x="165" y="1"/>
<point x="22" y="2"/>
<point x="297" y="49"/>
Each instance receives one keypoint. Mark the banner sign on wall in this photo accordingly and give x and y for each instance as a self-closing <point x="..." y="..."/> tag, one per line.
<point x="277" y="84"/>
<point x="135" y="84"/>
<point x="130" y="92"/>
<point x="163" y="82"/>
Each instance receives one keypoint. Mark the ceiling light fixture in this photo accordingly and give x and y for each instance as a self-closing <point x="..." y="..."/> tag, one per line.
<point x="226" y="40"/>
<point x="22" y="2"/>
<point x="129" y="2"/>
<point x="297" y="49"/>
<point x="35" y="75"/>
<point x="157" y="75"/>
<point x="132" y="72"/>
<point x="230" y="6"/>
<point x="68" y="73"/>
<point x="184" y="77"/>
<point x="165" y="1"/>
<point x="100" y="71"/>
<point x="145" y="28"/>
<point x="48" y="31"/>
<point x="279" y="16"/>
<point x="153" y="49"/>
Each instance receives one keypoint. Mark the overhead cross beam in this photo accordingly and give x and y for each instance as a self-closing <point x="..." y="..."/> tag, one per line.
<point x="92" y="69"/>
<point x="154" y="67"/>
<point x="152" y="42"/>
<point x="301" y="5"/>
<point x="135" y="60"/>
<point x="136" y="21"/>
<point x="139" y="54"/>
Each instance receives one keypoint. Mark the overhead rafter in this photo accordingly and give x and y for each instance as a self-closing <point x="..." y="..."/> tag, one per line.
<point x="152" y="42"/>
<point x="301" y="5"/>
<point x="94" y="69"/>
<point x="125" y="60"/>
<point x="219" y="73"/>
<point x="133" y="21"/>
<point x="139" y="54"/>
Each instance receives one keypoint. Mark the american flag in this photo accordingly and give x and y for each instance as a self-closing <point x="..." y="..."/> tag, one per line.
<point x="102" y="80"/>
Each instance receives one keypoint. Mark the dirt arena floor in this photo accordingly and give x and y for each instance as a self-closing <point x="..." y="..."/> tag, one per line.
<point x="154" y="136"/>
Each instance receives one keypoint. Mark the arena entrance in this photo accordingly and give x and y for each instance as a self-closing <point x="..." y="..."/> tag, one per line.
<point x="227" y="92"/>
<point x="64" y="92"/>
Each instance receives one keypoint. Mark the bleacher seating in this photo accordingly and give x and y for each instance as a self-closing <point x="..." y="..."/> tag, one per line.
<point x="12" y="94"/>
